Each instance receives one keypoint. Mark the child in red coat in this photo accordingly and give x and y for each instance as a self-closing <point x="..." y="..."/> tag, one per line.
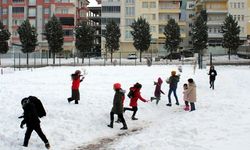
<point x="133" y="101"/>
<point x="75" y="86"/>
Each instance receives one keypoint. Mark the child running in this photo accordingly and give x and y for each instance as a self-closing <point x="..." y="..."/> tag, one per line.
<point x="158" y="91"/>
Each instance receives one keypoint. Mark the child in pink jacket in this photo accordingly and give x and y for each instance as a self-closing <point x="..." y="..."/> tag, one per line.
<point x="185" y="97"/>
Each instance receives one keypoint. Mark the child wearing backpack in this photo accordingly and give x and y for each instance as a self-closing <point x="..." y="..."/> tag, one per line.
<point x="117" y="106"/>
<point x="158" y="91"/>
<point x="134" y="94"/>
<point x="75" y="95"/>
<point x="31" y="119"/>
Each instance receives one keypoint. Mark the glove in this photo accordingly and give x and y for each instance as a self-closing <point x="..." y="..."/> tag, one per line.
<point x="21" y="126"/>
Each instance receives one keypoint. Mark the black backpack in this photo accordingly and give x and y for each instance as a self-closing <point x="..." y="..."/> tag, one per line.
<point x="37" y="103"/>
<point x="131" y="93"/>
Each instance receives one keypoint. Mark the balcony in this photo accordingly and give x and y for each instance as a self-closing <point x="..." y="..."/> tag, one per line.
<point x="216" y="22"/>
<point x="176" y="11"/>
<point x="216" y="11"/>
<point x="215" y="35"/>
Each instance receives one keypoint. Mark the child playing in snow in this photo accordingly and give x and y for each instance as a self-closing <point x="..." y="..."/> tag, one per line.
<point x="191" y="93"/>
<point x="75" y="86"/>
<point x="185" y="97"/>
<point x="133" y="100"/>
<point x="117" y="106"/>
<point x="158" y="91"/>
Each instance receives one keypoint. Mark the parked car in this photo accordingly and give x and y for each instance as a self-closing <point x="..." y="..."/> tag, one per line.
<point x="174" y="55"/>
<point x="187" y="53"/>
<point x="132" y="56"/>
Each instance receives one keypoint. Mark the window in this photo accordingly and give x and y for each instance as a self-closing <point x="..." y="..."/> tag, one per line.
<point x="152" y="29"/>
<point x="130" y="11"/>
<point x="46" y="1"/>
<point x="32" y="22"/>
<point x="17" y="22"/>
<point x="144" y="4"/>
<point x="5" y="21"/>
<point x="234" y="5"/>
<point x="242" y="5"/>
<point x="68" y="32"/>
<point x="152" y="5"/>
<point x="111" y="9"/>
<point x="14" y="33"/>
<point x="17" y="10"/>
<point x="5" y="11"/>
<point x="128" y="34"/>
<point x="32" y="12"/>
<point x="242" y="30"/>
<point x="238" y="17"/>
<point x="32" y="2"/>
<point x="64" y="11"/>
<point x="130" y="1"/>
<point x="238" y="5"/>
<point x="231" y="5"/>
<point x="46" y="10"/>
<point x="129" y="22"/>
<point x="18" y="1"/>
<point x="242" y="17"/>
<point x="4" y="1"/>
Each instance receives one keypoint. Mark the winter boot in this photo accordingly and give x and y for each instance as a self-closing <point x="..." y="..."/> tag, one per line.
<point x="177" y="103"/>
<point x="169" y="104"/>
<point x="124" y="126"/>
<point x="69" y="99"/>
<point x="133" y="118"/>
<point x="47" y="145"/>
<point x="76" y="102"/>
<point x="151" y="99"/>
<point x="186" y="108"/>
<point x="110" y="125"/>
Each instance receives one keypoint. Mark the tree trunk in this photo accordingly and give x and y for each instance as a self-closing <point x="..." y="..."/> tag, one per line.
<point x="27" y="61"/>
<point x="171" y="53"/>
<point x="82" y="57"/>
<point x="140" y="55"/>
<point x="111" y="56"/>
<point x="229" y="53"/>
<point x="54" y="58"/>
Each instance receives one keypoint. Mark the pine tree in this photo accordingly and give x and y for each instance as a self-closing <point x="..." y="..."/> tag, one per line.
<point x="28" y="38"/>
<point x="112" y="36"/>
<point x="54" y="35"/>
<point x="141" y="35"/>
<point x="84" y="37"/>
<point x="231" y="31"/>
<point x="199" y="37"/>
<point x="173" y="36"/>
<point x="4" y="37"/>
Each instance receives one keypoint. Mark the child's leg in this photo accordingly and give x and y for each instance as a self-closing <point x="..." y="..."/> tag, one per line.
<point x="152" y="98"/>
<point x="40" y="134"/>
<point x="186" y="103"/>
<point x="27" y="136"/>
<point x="192" y="106"/>
<point x="127" y="108"/>
<point x="111" y="119"/>
<point x="135" y="110"/>
<point x="157" y="100"/>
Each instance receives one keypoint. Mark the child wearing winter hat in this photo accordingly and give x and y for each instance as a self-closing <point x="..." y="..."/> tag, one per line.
<point x="185" y="97"/>
<point x="158" y="91"/>
<point x="117" y="106"/>
<point x="133" y="100"/>
<point x="75" y="95"/>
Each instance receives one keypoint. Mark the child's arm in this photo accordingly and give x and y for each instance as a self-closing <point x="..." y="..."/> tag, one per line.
<point x="162" y="92"/>
<point x="82" y="79"/>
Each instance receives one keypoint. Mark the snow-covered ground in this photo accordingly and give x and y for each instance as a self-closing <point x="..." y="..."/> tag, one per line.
<point x="221" y="121"/>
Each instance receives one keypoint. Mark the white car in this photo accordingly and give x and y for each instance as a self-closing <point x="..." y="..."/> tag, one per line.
<point x="132" y="56"/>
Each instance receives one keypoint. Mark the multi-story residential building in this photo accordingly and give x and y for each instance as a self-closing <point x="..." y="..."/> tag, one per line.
<point x="217" y="11"/>
<point x="13" y="12"/>
<point x="239" y="10"/>
<point x="189" y="13"/>
<point x="94" y="19"/>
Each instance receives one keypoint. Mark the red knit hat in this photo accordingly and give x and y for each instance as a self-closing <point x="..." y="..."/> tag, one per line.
<point x="117" y="86"/>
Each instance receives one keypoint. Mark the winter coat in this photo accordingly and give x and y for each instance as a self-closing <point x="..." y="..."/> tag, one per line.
<point x="76" y="81"/>
<point x="30" y="117"/>
<point x="158" y="90"/>
<point x="118" y="102"/>
<point x="137" y="95"/>
<point x="173" y="81"/>
<point x="191" y="92"/>
<point x="212" y="74"/>
<point x="185" y="96"/>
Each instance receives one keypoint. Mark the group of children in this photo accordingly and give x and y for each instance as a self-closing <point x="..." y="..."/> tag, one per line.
<point x="31" y="119"/>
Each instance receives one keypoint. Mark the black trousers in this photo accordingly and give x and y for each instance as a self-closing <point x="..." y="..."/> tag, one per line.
<point x="134" y="109"/>
<point x="186" y="103"/>
<point x="192" y="106"/>
<point x="38" y="131"/>
<point x="211" y="84"/>
<point x="120" y="117"/>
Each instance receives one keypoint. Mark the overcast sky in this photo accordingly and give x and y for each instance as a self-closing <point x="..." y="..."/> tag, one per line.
<point x="93" y="3"/>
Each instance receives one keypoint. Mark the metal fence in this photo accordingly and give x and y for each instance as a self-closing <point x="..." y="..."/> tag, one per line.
<point x="19" y="60"/>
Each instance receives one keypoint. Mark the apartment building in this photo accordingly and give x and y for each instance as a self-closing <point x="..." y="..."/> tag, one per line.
<point x="217" y="11"/>
<point x="239" y="10"/>
<point x="189" y="17"/>
<point x="69" y="12"/>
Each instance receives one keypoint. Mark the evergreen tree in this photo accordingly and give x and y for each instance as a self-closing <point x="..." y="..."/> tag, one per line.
<point x="28" y="38"/>
<point x="199" y="37"/>
<point x="231" y="31"/>
<point x="112" y="36"/>
<point x="4" y="37"/>
<point x="141" y="35"/>
<point x="54" y="35"/>
<point x="84" y="37"/>
<point x="173" y="36"/>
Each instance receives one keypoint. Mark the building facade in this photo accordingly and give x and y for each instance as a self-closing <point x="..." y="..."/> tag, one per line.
<point x="69" y="12"/>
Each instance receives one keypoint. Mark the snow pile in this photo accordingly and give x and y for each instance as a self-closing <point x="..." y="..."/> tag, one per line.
<point x="220" y="122"/>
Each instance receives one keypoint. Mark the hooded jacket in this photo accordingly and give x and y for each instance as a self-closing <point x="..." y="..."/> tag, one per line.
<point x="158" y="90"/>
<point x="137" y="95"/>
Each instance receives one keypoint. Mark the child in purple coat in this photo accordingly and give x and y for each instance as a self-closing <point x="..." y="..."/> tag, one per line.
<point x="158" y="91"/>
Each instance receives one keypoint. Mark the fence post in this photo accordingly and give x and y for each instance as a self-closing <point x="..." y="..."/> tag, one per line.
<point x="60" y="61"/>
<point x="14" y="62"/>
<point x="89" y="60"/>
<point x="34" y="60"/>
<point x="47" y="55"/>
<point x="19" y="56"/>
<point x="211" y="59"/>
<point x="41" y="59"/>
<point x="0" y="58"/>
<point x="120" y="58"/>
<point x="74" y="60"/>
